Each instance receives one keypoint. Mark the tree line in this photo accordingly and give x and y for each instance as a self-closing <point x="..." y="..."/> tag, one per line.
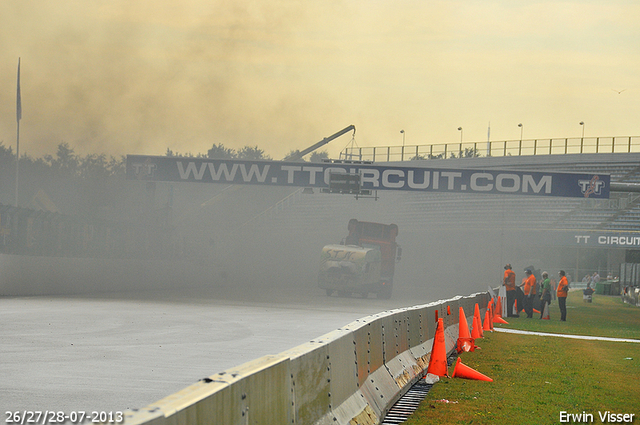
<point x="66" y="163"/>
<point x="89" y="184"/>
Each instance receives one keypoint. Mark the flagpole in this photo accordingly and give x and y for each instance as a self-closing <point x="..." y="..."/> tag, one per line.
<point x="18" y="118"/>
<point x="17" y="160"/>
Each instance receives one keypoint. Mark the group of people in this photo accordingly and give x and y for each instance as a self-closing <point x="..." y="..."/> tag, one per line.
<point x="527" y="291"/>
<point x="591" y="281"/>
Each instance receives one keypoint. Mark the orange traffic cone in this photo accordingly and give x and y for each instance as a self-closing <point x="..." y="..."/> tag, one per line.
<point x="477" y="329"/>
<point x="536" y="311"/>
<point x="465" y="342"/>
<point x="499" y="319"/>
<point x="463" y="371"/>
<point x="476" y="332"/>
<point x="476" y="315"/>
<point x="448" y="310"/>
<point x="487" y="322"/>
<point x="438" y="360"/>
<point x="466" y="345"/>
<point x="499" y="308"/>
<point x="491" y="313"/>
<point x="545" y="315"/>
<point x="463" y="331"/>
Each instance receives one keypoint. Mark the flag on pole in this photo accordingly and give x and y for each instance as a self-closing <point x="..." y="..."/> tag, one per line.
<point x="18" y="99"/>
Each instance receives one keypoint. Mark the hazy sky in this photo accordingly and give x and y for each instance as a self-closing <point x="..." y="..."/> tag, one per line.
<point x="133" y="76"/>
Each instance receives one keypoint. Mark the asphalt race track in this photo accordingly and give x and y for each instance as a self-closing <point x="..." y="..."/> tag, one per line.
<point x="121" y="351"/>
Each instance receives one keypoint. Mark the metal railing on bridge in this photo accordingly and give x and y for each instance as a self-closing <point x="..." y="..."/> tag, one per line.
<point x="557" y="146"/>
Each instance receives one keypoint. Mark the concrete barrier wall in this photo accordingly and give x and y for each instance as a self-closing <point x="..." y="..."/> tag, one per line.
<point x="352" y="375"/>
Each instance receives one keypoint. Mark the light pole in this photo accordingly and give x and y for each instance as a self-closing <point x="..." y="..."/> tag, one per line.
<point x="582" y="138"/>
<point x="402" y="132"/>
<point x="582" y="124"/>
<point x="520" y="144"/>
<point x="460" y="150"/>
<point x="521" y="129"/>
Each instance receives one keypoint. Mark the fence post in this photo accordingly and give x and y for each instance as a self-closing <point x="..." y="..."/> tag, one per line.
<point x="520" y="148"/>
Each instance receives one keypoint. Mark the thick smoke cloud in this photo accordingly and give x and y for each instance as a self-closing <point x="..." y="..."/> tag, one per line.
<point x="125" y="78"/>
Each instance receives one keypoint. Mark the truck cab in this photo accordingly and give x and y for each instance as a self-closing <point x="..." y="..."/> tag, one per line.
<point x="364" y="262"/>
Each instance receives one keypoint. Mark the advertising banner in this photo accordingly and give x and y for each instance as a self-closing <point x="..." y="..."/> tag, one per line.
<point x="603" y="239"/>
<point x="372" y="177"/>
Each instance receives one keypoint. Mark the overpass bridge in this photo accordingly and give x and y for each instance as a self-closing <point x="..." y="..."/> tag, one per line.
<point x="494" y="149"/>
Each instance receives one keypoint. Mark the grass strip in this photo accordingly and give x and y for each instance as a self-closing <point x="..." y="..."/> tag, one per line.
<point x="606" y="316"/>
<point x="536" y="378"/>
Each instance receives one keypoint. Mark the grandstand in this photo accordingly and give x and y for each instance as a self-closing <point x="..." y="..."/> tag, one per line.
<point x="419" y="209"/>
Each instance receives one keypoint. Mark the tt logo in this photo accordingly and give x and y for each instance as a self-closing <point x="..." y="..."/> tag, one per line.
<point x="589" y="187"/>
<point x="144" y="170"/>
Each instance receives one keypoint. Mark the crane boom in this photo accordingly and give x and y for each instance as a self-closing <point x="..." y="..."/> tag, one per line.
<point x="322" y="142"/>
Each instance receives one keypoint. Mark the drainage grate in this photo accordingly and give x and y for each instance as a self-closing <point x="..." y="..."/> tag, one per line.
<point x="407" y="404"/>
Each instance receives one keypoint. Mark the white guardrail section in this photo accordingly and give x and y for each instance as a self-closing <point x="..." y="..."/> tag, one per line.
<point x="352" y="375"/>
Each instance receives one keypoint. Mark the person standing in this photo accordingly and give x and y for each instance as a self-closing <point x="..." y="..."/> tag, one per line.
<point x="529" y="292"/>
<point x="545" y="297"/>
<point x="563" y="290"/>
<point x="509" y="283"/>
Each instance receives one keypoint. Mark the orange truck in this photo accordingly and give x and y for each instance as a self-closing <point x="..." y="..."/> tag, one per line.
<point x="364" y="262"/>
